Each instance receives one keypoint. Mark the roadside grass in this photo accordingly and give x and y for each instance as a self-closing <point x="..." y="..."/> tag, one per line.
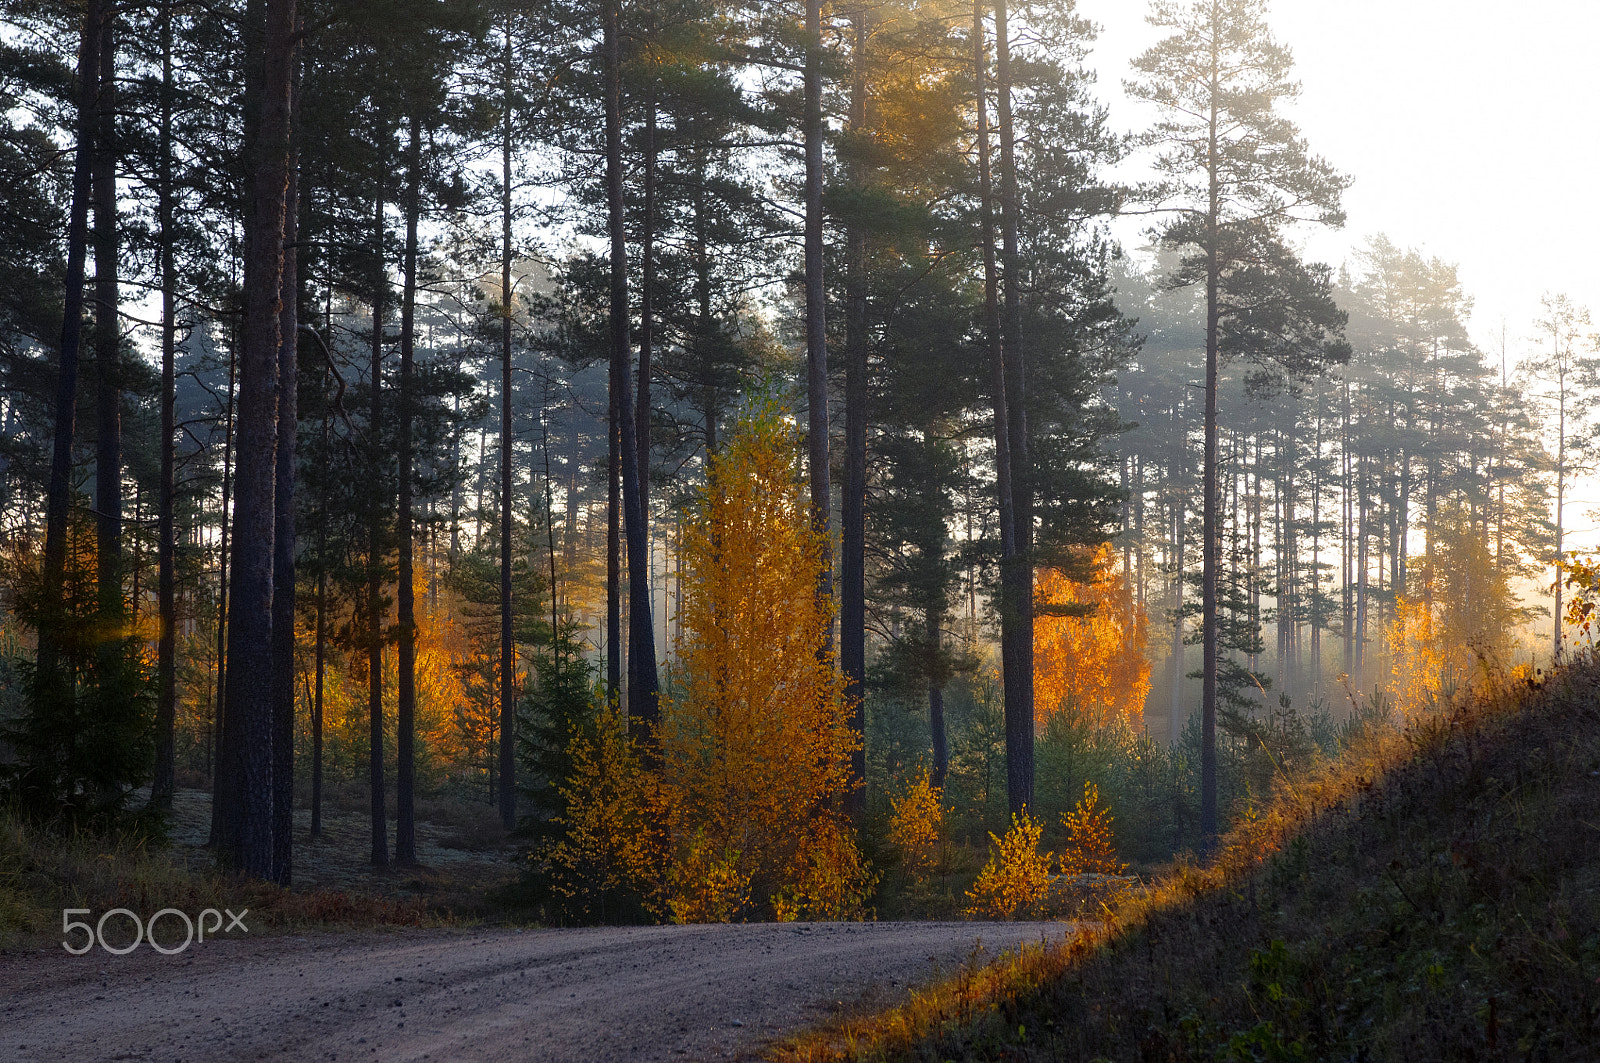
<point x="1432" y="894"/>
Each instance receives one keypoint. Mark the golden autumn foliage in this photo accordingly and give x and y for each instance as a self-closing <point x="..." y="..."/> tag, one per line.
<point x="456" y="710"/>
<point x="1092" y="666"/>
<point x="1016" y="880"/>
<point x="1416" y="658"/>
<point x="1582" y="578"/>
<point x="831" y="880"/>
<point x="755" y="742"/>
<point x="1091" y="848"/>
<point x="1457" y="625"/>
<point x="604" y="845"/>
<point x="917" y="826"/>
<point x="705" y="885"/>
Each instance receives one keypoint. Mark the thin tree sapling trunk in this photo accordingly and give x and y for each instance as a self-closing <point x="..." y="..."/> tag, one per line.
<point x="816" y="302"/>
<point x="405" y="841"/>
<point x="164" y="782"/>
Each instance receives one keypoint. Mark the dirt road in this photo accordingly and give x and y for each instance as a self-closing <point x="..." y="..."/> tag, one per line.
<point x="595" y="995"/>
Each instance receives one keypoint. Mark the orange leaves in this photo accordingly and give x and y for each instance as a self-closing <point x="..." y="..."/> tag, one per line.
<point x="755" y="742"/>
<point x="1016" y="882"/>
<point x="737" y="814"/>
<point x="1093" y="666"/>
<point x="1458" y="625"/>
<point x="1583" y="580"/>
<point x="1416" y="658"/>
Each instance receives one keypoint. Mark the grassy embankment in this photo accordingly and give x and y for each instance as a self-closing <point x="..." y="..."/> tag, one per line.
<point x="1433" y="894"/>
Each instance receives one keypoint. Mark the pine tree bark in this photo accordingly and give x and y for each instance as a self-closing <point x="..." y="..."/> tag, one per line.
<point x="613" y="535"/>
<point x="58" y="496"/>
<point x="1010" y="615"/>
<point x="816" y="303"/>
<point x="647" y="280"/>
<point x="507" y="792"/>
<point x="316" y="699"/>
<point x="1210" y="539"/>
<point x="248" y="731"/>
<point x="164" y="782"/>
<point x="107" y="344"/>
<point x="405" y="841"/>
<point x="1017" y="644"/>
<point x="283" y="541"/>
<point x="375" y="639"/>
<point x="936" y="725"/>
<point x="221" y="783"/>
<point x="1179" y="494"/>
<point x="643" y="684"/>
<point x="853" y="525"/>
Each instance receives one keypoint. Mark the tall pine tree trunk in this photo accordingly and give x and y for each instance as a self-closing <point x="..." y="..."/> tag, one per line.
<point x="1363" y="537"/>
<point x="1017" y="650"/>
<point x="853" y="530"/>
<point x="248" y="723"/>
<point x="613" y="535"/>
<point x="405" y="840"/>
<point x="321" y="668"/>
<point x="374" y="604"/>
<point x="507" y="792"/>
<point x="1347" y="540"/>
<point x="816" y="302"/>
<point x="647" y="280"/>
<point x="107" y="356"/>
<point x="1210" y="533"/>
<point x="164" y="782"/>
<point x="1180" y="490"/>
<point x="936" y="726"/>
<point x="283" y="545"/>
<point x="1316" y="611"/>
<point x="643" y="684"/>
<point x="56" y="687"/>
<point x="1010" y="615"/>
<point x="220" y="782"/>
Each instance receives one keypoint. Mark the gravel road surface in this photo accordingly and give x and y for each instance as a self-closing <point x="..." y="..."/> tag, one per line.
<point x="594" y="995"/>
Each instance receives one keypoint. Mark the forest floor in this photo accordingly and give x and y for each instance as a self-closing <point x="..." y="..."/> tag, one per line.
<point x="598" y="994"/>
<point x="462" y="852"/>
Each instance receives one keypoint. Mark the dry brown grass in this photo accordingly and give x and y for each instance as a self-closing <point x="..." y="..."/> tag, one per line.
<point x="1434" y="894"/>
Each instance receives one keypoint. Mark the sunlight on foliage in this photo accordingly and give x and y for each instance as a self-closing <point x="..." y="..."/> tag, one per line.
<point x="1091" y="848"/>
<point x="1583" y="580"/>
<point x="602" y="848"/>
<point x="917" y="826"/>
<point x="1458" y="625"/>
<point x="832" y="882"/>
<point x="755" y="743"/>
<point x="1416" y="659"/>
<point x="1093" y="665"/>
<point x="1015" y="881"/>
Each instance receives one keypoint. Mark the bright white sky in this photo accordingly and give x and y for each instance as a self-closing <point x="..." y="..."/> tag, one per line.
<point x="1469" y="127"/>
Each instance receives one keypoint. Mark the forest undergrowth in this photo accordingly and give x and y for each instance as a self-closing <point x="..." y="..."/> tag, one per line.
<point x="1431" y="894"/>
<point x="45" y="869"/>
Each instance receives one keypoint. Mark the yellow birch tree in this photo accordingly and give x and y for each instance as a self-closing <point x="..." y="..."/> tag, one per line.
<point x="755" y="742"/>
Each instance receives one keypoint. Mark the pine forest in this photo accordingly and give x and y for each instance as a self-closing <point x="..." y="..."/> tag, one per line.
<point x="746" y="462"/>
